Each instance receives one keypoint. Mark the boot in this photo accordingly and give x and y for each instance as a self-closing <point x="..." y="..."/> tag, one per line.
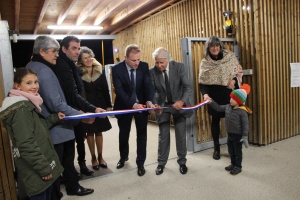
<point x="84" y="170"/>
<point x="216" y="154"/>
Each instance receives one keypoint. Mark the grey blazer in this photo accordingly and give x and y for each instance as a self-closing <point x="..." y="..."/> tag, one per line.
<point x="179" y="84"/>
<point x="54" y="101"/>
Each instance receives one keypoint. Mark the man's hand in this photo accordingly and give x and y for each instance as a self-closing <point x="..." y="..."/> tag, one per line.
<point x="138" y="106"/>
<point x="149" y="104"/>
<point x="100" y="110"/>
<point x="178" y="104"/>
<point x="159" y="110"/>
<point x="245" y="141"/>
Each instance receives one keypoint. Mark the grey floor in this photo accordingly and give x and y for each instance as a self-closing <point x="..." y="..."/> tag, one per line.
<point x="269" y="172"/>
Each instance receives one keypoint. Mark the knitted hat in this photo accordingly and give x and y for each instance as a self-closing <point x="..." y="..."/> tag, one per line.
<point x="240" y="95"/>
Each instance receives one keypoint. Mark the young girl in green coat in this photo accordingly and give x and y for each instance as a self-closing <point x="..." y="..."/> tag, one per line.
<point x="35" y="159"/>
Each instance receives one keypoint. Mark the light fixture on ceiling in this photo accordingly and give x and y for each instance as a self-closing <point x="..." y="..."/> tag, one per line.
<point x="75" y="27"/>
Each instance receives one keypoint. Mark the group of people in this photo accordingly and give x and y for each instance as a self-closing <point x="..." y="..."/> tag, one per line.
<point x="65" y="79"/>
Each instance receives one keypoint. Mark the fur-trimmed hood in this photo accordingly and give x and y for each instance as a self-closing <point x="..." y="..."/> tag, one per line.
<point x="97" y="71"/>
<point x="11" y="104"/>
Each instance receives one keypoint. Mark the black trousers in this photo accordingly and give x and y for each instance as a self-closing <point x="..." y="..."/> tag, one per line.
<point x="124" y="123"/>
<point x="66" y="154"/>
<point x="79" y="138"/>
<point x="215" y="131"/>
<point x="235" y="149"/>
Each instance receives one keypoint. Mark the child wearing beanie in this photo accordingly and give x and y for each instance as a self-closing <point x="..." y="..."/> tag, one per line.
<point x="236" y="125"/>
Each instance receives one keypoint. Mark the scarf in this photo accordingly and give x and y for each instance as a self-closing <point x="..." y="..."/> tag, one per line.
<point x="39" y="58"/>
<point x="218" y="72"/>
<point x="95" y="74"/>
<point x="36" y="100"/>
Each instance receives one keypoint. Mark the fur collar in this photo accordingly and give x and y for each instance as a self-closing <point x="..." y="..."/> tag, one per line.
<point x="97" y="71"/>
<point x="11" y="104"/>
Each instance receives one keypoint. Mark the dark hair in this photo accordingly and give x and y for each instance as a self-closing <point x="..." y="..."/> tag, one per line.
<point x="66" y="41"/>
<point x="213" y="41"/>
<point x="21" y="73"/>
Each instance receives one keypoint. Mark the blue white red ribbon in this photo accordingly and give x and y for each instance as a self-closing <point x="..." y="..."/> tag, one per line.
<point x="127" y="111"/>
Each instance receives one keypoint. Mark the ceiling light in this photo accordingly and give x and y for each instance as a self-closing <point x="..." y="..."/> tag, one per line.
<point x="75" y="27"/>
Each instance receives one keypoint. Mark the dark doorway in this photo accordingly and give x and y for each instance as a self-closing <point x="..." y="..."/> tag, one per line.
<point x="22" y="51"/>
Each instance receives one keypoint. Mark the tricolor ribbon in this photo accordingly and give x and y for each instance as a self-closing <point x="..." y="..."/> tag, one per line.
<point x="127" y="111"/>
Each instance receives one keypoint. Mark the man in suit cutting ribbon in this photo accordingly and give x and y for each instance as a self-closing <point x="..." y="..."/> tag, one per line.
<point x="132" y="94"/>
<point x="173" y="90"/>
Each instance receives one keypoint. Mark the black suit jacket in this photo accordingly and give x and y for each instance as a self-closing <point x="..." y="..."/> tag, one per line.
<point x="121" y="81"/>
<point x="66" y="77"/>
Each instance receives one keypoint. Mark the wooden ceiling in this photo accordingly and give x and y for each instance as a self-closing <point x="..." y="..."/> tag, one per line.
<point x="33" y="16"/>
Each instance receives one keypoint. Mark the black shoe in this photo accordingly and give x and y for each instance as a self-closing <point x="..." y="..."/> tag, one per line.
<point x="86" y="171"/>
<point x="229" y="168"/>
<point x="183" y="169"/>
<point x="141" y="171"/>
<point x="159" y="170"/>
<point x="104" y="165"/>
<point x="235" y="170"/>
<point x="121" y="163"/>
<point x="216" y="155"/>
<point x="96" y="167"/>
<point x="80" y="191"/>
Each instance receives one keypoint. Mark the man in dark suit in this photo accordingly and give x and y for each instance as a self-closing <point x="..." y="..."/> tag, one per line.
<point x="173" y="90"/>
<point x="133" y="90"/>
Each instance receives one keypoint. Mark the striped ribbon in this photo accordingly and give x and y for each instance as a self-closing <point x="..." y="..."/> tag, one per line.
<point x="127" y="111"/>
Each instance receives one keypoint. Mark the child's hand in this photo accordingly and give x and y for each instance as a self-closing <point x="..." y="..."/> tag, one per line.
<point x="47" y="177"/>
<point x="245" y="141"/>
<point x="61" y="115"/>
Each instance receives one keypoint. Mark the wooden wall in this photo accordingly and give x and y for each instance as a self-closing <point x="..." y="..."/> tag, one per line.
<point x="267" y="33"/>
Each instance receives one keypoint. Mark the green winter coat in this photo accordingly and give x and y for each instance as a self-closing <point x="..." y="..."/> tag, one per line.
<point x="33" y="151"/>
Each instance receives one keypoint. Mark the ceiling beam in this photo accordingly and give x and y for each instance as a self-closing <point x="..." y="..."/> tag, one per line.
<point x="156" y="9"/>
<point x="17" y="14"/>
<point x="87" y="10"/>
<point x="59" y="37"/>
<point x="127" y="11"/>
<point x="107" y="11"/>
<point x="65" y="10"/>
<point x="41" y="16"/>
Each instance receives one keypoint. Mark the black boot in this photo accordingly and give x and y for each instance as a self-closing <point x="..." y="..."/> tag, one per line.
<point x="84" y="170"/>
<point x="216" y="154"/>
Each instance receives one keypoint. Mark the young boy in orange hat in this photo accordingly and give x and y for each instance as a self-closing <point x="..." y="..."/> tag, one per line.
<point x="236" y="125"/>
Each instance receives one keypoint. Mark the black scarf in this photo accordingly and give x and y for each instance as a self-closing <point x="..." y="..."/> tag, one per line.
<point x="39" y="58"/>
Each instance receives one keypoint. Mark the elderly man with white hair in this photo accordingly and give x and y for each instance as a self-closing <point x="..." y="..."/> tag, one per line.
<point x="172" y="90"/>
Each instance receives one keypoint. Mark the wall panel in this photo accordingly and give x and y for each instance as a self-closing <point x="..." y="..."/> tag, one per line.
<point x="267" y="33"/>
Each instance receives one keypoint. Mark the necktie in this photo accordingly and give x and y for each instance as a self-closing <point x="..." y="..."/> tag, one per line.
<point x="132" y="82"/>
<point x="168" y="89"/>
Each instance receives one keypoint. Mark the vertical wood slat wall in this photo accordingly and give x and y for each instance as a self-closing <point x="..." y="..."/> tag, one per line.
<point x="267" y="33"/>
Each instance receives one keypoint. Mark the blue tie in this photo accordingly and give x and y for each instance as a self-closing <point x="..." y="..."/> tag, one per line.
<point x="132" y="82"/>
